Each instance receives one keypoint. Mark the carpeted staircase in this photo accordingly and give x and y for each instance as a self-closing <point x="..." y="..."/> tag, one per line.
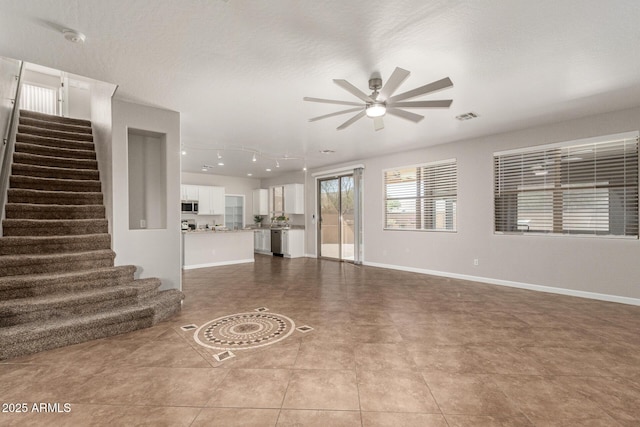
<point x="58" y="283"/>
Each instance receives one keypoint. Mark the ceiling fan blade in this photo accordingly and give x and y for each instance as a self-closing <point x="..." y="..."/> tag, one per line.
<point x="395" y="80"/>
<point x="352" y="120"/>
<point x="445" y="103"/>
<point x="330" y="101"/>
<point x="353" y="90"/>
<point x="378" y="123"/>
<point x="405" y="114"/>
<point x="431" y="87"/>
<point x="337" y="113"/>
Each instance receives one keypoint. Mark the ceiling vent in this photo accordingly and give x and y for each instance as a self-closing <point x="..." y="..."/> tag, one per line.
<point x="466" y="116"/>
<point x="327" y="151"/>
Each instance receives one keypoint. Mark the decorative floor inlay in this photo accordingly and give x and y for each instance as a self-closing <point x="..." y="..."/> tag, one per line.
<point x="304" y="328"/>
<point x="188" y="327"/>
<point x="261" y="309"/>
<point x="243" y="331"/>
<point x="221" y="357"/>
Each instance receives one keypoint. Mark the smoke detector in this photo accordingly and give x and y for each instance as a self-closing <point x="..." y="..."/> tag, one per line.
<point x="73" y="36"/>
<point x="467" y="116"/>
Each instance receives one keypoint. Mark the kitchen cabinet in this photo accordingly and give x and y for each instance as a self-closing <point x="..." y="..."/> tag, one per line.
<point x="294" y="199"/>
<point x="262" y="241"/>
<point x="210" y="200"/>
<point x="293" y="243"/>
<point x="261" y="202"/>
<point x="286" y="199"/>
<point x="189" y="192"/>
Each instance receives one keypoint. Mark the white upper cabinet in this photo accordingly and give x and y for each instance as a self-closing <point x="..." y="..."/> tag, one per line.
<point x="294" y="199"/>
<point x="189" y="192"/>
<point x="211" y="200"/>
<point x="261" y="202"/>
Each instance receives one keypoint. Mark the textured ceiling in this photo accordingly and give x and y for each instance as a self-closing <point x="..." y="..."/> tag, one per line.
<point x="237" y="70"/>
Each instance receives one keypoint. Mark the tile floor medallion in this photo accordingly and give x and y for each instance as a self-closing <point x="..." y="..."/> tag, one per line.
<point x="243" y="331"/>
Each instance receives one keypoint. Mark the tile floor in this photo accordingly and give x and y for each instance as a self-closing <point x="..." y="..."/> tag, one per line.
<point x="387" y="348"/>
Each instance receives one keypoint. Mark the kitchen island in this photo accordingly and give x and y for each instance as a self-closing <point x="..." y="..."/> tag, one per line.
<point x="213" y="248"/>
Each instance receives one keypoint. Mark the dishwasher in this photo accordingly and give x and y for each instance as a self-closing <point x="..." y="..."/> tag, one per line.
<point x="276" y="241"/>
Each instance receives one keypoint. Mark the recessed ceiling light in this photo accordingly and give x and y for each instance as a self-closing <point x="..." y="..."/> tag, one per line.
<point x="184" y="152"/>
<point x="327" y="151"/>
<point x="268" y="170"/>
<point x="219" y="156"/>
<point x="73" y="36"/>
<point x="204" y="169"/>
<point x="220" y="164"/>
<point x="249" y="174"/>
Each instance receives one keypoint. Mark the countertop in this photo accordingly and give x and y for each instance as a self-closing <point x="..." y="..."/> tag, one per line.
<point x="216" y="231"/>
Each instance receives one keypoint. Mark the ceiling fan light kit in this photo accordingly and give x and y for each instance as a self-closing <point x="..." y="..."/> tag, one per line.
<point x="381" y="101"/>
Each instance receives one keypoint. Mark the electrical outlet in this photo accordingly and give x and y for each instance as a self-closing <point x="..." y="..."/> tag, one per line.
<point x="475" y="262"/>
<point x="143" y="223"/>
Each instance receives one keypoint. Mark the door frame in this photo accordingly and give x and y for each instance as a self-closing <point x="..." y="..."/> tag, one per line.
<point x="319" y="180"/>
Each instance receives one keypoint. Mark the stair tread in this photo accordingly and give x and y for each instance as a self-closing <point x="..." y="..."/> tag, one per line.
<point x="35" y="330"/>
<point x="24" y="281"/>
<point x="52" y="133"/>
<point x="42" y="159"/>
<point x="38" y="329"/>
<point x="73" y="153"/>
<point x="50" y="222"/>
<point x="50" y="117"/>
<point x="40" y="170"/>
<point x="47" y="141"/>
<point x="49" y="124"/>
<point x="41" y="257"/>
<point x="34" y="303"/>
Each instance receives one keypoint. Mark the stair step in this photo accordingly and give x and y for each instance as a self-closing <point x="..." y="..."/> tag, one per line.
<point x="53" y="227"/>
<point x="14" y="265"/>
<point x="33" y="337"/>
<point x="54" y="142"/>
<point x="58" y="162"/>
<point x="32" y="211"/>
<point x="18" y="169"/>
<point x="52" y="184"/>
<point x="53" y="151"/>
<point x="51" y="125"/>
<point x="15" y="245"/>
<point x="44" y="284"/>
<point x="33" y="130"/>
<point x="41" y="197"/>
<point x="53" y="118"/>
<point x="48" y="307"/>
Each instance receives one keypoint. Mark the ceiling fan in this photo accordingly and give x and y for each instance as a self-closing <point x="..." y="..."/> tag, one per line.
<point x="381" y="101"/>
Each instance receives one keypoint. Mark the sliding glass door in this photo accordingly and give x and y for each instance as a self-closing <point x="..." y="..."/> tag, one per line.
<point x="337" y="218"/>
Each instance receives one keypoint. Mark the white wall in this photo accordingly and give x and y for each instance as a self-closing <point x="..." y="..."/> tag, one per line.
<point x="232" y="185"/>
<point x="101" y="123"/>
<point x="604" y="268"/>
<point x="156" y="252"/>
<point x="147" y="180"/>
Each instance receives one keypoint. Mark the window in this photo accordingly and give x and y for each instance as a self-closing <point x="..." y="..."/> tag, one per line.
<point x="422" y="197"/>
<point x="587" y="187"/>
<point x="39" y="99"/>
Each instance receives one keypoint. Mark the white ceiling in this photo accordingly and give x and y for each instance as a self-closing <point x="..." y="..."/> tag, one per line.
<point x="237" y="70"/>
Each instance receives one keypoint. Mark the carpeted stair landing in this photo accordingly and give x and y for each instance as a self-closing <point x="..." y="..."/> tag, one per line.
<point x="58" y="282"/>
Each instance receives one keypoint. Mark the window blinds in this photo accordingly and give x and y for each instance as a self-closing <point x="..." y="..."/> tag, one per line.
<point x="38" y="99"/>
<point x="572" y="188"/>
<point x="421" y="197"/>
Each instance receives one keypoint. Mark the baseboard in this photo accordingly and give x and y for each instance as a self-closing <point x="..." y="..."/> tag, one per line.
<point x="217" y="264"/>
<point x="511" y="284"/>
<point x="310" y="256"/>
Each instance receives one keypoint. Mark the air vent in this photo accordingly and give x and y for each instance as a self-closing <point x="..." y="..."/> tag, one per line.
<point x="327" y="151"/>
<point x="467" y="116"/>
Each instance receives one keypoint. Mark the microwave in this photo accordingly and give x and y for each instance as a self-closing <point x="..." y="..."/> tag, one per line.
<point x="189" y="207"/>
